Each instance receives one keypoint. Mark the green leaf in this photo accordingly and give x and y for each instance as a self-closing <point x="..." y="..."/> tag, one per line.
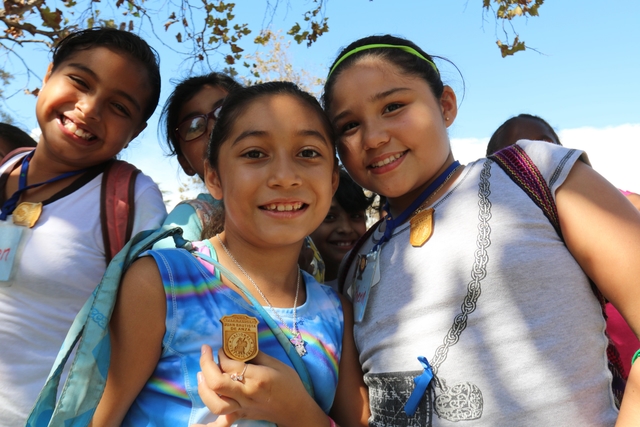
<point x="51" y="19"/>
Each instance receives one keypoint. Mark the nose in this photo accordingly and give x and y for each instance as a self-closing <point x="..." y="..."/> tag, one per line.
<point x="284" y="173"/>
<point x="90" y="106"/>
<point x="374" y="135"/>
<point x="343" y="225"/>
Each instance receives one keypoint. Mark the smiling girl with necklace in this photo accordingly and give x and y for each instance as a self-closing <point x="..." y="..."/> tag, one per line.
<point x="271" y="161"/>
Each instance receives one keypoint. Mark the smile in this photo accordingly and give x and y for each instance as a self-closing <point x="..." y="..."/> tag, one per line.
<point x="74" y="129"/>
<point x="343" y="244"/>
<point x="283" y="207"/>
<point x="392" y="158"/>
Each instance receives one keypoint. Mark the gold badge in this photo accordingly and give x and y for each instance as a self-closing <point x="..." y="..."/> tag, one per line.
<point x="27" y="214"/>
<point x="240" y="337"/>
<point x="421" y="227"/>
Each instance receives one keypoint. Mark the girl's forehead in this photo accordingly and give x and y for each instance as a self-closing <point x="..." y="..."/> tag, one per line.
<point x="272" y="113"/>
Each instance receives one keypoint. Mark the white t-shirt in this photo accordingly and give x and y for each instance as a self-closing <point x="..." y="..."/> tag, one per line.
<point x="58" y="264"/>
<point x="533" y="339"/>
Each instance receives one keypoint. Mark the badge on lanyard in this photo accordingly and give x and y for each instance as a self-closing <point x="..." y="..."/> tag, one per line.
<point x="10" y="236"/>
<point x="366" y="275"/>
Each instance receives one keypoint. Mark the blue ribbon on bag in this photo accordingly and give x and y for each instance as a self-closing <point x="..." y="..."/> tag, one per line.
<point x="422" y="383"/>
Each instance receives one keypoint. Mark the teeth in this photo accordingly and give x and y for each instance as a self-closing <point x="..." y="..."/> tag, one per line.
<point x="71" y="126"/>
<point x="387" y="160"/>
<point x="284" y="207"/>
<point x="74" y="129"/>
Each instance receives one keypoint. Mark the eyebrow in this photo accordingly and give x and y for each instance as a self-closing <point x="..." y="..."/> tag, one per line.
<point x="260" y="133"/>
<point x="375" y="97"/>
<point x="95" y="76"/>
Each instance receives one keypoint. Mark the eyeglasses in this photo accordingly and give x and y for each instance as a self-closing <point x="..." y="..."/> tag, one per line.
<point x="195" y="126"/>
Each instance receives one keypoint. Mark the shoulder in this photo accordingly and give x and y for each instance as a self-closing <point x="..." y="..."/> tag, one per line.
<point x="534" y="160"/>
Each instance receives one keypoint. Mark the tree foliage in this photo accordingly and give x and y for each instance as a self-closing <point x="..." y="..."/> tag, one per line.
<point x="201" y="31"/>
<point x="505" y="11"/>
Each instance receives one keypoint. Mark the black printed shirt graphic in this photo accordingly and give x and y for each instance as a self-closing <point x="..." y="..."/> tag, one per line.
<point x="388" y="393"/>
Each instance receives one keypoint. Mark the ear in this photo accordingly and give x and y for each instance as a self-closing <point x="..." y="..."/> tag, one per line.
<point x="448" y="106"/>
<point x="46" y="77"/>
<point x="212" y="181"/>
<point x="142" y="127"/>
<point x="186" y="166"/>
<point x="335" y="177"/>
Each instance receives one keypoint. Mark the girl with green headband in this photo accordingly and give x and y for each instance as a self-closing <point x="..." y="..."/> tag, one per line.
<point x="472" y="300"/>
<point x="482" y="311"/>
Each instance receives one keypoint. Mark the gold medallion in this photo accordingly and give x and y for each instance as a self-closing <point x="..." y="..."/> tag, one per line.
<point x="26" y="214"/>
<point x="421" y="227"/>
<point x="240" y="337"/>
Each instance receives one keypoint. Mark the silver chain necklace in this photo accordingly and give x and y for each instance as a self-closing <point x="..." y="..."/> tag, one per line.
<point x="296" y="339"/>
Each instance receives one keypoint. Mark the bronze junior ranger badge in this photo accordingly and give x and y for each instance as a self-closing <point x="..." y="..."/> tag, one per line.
<point x="27" y="214"/>
<point x="240" y="337"/>
<point x="421" y="227"/>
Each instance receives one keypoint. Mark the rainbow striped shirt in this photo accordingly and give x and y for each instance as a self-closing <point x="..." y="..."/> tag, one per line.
<point x="196" y="300"/>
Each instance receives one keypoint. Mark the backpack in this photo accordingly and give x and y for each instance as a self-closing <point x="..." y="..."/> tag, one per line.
<point x="117" y="202"/>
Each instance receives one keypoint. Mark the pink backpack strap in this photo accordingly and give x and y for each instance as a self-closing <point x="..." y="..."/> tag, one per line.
<point x="117" y="206"/>
<point x="11" y="154"/>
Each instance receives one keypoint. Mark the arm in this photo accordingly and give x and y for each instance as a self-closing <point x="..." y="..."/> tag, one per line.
<point x="351" y="404"/>
<point x="602" y="231"/>
<point x="137" y="327"/>
<point x="630" y="408"/>
<point x="634" y="199"/>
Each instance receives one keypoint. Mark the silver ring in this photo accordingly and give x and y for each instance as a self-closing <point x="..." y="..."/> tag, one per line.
<point x="239" y="377"/>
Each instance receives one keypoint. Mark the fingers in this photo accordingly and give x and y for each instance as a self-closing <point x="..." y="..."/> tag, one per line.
<point x="212" y="384"/>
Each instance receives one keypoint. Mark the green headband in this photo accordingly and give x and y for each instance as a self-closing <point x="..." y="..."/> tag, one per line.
<point x="377" y="46"/>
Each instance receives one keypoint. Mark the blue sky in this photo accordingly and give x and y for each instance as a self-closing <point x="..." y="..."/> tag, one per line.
<point x="583" y="81"/>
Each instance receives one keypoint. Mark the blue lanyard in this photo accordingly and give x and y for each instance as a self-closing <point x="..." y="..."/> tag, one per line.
<point x="12" y="202"/>
<point x="392" y="223"/>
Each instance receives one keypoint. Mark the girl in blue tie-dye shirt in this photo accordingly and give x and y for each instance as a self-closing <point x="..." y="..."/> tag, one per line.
<point x="271" y="161"/>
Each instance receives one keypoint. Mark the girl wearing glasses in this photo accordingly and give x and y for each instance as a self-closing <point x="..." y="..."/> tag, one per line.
<point x="188" y="118"/>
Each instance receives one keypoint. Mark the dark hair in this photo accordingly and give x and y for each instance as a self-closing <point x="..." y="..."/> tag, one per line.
<point x="183" y="93"/>
<point x="501" y="138"/>
<point x="15" y="137"/>
<point x="122" y="41"/>
<point x="407" y="62"/>
<point x="350" y="196"/>
<point x="239" y="100"/>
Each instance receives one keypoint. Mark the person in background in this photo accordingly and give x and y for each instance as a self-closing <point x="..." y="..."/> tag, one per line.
<point x="523" y="126"/>
<point x="11" y="138"/>
<point x="188" y="117"/>
<point x="345" y="223"/>
<point x="50" y="200"/>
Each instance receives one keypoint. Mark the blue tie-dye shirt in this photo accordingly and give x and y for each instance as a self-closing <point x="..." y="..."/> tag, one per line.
<point x="196" y="300"/>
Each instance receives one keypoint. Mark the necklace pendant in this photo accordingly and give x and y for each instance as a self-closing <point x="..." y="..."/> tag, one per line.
<point x="462" y="402"/>
<point x="421" y="227"/>
<point x="27" y="214"/>
<point x="299" y="343"/>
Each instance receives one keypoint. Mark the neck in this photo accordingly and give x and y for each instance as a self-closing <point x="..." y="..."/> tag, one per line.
<point x="273" y="269"/>
<point x="397" y="205"/>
